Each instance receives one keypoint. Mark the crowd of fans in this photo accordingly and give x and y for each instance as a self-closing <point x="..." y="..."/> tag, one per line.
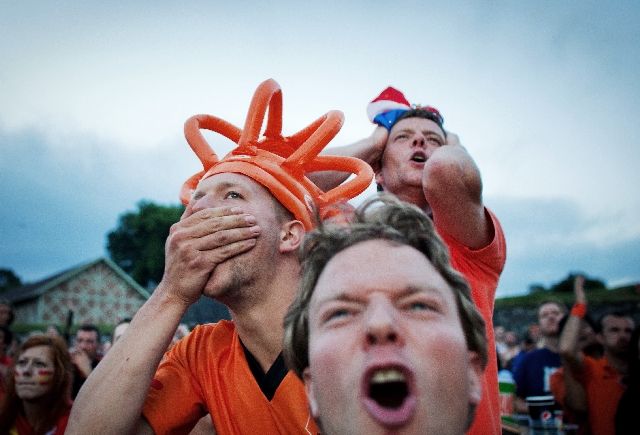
<point x="41" y="374"/>
<point x="590" y="367"/>
<point x="390" y="325"/>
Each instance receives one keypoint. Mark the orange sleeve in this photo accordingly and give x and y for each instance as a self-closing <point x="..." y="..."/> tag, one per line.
<point x="558" y="389"/>
<point x="174" y="403"/>
<point x="481" y="268"/>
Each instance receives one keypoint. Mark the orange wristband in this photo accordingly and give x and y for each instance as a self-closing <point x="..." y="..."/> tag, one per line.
<point x="579" y="310"/>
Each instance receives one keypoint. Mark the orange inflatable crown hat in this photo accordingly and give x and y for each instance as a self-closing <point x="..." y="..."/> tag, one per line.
<point x="276" y="162"/>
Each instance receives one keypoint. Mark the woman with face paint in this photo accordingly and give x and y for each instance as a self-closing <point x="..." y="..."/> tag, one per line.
<point x="38" y="399"/>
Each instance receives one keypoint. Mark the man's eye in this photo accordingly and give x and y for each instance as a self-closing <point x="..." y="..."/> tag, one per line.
<point x="196" y="196"/>
<point x="339" y="313"/>
<point x="435" y="141"/>
<point x="232" y="195"/>
<point x="418" y="306"/>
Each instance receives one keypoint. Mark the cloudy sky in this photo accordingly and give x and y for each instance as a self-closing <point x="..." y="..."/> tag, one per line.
<point x="544" y="95"/>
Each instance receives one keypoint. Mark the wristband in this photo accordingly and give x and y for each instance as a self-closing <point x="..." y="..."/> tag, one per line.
<point x="579" y="310"/>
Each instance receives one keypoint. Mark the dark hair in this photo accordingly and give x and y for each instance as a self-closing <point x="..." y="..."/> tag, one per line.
<point x="395" y="221"/>
<point x="90" y="327"/>
<point x="419" y="112"/>
<point x="614" y="313"/>
<point x="587" y="319"/>
<point x="633" y="376"/>
<point x="8" y="335"/>
<point x="11" y="313"/>
<point x="59" y="397"/>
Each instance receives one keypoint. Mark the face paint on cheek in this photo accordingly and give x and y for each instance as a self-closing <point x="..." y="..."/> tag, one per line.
<point x="44" y="376"/>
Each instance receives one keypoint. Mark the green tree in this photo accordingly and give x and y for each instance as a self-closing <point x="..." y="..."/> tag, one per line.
<point x="8" y="280"/>
<point x="137" y="243"/>
<point x="566" y="285"/>
<point x="536" y="288"/>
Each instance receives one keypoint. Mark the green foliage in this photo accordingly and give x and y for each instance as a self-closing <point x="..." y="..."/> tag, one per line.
<point x="536" y="288"/>
<point x="595" y="297"/>
<point x="8" y="280"/>
<point x="137" y="243"/>
<point x="566" y="285"/>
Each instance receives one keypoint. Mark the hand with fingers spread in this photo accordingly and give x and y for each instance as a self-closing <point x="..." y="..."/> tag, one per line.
<point x="199" y="242"/>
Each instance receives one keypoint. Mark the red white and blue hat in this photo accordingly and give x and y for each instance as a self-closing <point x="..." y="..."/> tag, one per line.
<point x="387" y="107"/>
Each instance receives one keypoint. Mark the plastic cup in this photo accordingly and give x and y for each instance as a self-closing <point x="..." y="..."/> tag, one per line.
<point x="541" y="411"/>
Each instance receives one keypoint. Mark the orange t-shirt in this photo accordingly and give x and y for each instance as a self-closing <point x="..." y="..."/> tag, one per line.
<point x="604" y="388"/>
<point x="207" y="372"/>
<point x="559" y="391"/>
<point x="482" y="268"/>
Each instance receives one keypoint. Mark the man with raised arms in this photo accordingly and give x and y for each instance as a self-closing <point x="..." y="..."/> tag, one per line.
<point x="420" y="162"/>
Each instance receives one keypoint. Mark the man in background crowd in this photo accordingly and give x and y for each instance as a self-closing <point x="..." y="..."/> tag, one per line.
<point x="598" y="384"/>
<point x="85" y="355"/>
<point x="534" y="371"/>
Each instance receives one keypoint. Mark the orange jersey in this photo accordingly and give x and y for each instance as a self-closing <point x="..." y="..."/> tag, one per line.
<point x="207" y="372"/>
<point x="482" y="268"/>
<point x="604" y="388"/>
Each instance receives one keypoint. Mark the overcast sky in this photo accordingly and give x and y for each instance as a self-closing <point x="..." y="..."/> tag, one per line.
<point x="544" y="95"/>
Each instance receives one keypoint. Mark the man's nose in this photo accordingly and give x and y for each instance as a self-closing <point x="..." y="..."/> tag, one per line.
<point x="207" y="201"/>
<point x="418" y="141"/>
<point x="381" y="325"/>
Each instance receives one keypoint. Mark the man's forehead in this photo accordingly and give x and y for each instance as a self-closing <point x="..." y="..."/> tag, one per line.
<point x="550" y="307"/>
<point x="389" y="261"/>
<point x="225" y="179"/>
<point x="416" y="123"/>
<point x="612" y="319"/>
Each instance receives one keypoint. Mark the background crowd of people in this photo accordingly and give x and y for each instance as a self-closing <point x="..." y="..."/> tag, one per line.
<point x="42" y="372"/>
<point x="589" y="366"/>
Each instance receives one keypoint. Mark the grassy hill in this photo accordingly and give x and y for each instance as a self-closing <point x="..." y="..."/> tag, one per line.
<point x="629" y="293"/>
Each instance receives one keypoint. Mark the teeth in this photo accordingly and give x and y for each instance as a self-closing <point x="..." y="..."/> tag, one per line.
<point x="389" y="375"/>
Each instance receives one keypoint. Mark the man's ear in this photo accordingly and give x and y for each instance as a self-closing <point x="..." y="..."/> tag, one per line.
<point x="291" y="236"/>
<point x="475" y="372"/>
<point x="308" y="386"/>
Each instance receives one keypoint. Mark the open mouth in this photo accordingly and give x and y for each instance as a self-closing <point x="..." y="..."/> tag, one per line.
<point x="388" y="388"/>
<point x="389" y="398"/>
<point x="418" y="157"/>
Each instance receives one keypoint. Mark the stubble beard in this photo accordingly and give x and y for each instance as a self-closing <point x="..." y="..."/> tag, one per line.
<point x="237" y="283"/>
<point x="238" y="290"/>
